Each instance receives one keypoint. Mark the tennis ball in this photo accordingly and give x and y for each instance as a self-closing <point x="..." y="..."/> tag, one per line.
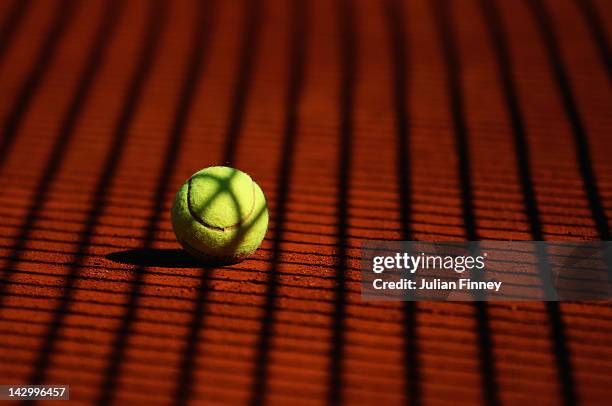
<point x="220" y="215"/>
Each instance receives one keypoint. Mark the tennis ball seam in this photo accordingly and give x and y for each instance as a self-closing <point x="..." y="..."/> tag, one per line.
<point x="200" y="220"/>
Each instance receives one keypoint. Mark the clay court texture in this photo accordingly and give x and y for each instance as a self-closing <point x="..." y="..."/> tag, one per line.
<point x="416" y="120"/>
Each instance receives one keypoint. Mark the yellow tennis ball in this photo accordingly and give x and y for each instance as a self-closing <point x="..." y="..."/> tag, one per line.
<point x="220" y="215"/>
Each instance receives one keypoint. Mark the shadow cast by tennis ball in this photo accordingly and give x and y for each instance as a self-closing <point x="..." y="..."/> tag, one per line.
<point x="166" y="257"/>
<point x="155" y="257"/>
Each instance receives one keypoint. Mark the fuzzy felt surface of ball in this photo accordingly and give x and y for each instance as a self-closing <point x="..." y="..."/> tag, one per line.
<point x="220" y="215"/>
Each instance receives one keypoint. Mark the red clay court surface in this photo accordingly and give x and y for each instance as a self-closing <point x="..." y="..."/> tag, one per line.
<point x="427" y="120"/>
